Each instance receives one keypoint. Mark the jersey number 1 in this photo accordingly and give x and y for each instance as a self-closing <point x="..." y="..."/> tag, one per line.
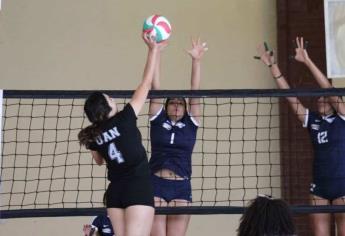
<point x="115" y="154"/>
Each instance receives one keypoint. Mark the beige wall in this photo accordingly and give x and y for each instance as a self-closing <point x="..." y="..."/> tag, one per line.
<point x="84" y="44"/>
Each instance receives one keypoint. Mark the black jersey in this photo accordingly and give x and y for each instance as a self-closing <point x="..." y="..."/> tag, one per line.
<point x="120" y="144"/>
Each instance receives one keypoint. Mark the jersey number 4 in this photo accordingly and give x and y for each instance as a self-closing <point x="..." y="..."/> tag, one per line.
<point x="115" y="154"/>
<point x="322" y="137"/>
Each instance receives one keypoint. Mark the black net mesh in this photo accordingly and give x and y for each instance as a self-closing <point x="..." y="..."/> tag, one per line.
<point x="237" y="155"/>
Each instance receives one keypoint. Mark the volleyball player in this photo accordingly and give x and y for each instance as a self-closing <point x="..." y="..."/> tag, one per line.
<point x="327" y="131"/>
<point x="100" y="226"/>
<point x="173" y="135"/>
<point x="113" y="137"/>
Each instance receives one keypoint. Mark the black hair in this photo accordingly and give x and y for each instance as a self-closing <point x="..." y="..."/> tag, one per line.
<point x="267" y="217"/>
<point x="97" y="109"/>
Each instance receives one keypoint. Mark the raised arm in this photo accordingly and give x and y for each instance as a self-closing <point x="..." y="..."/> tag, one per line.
<point x="196" y="52"/>
<point x="156" y="103"/>
<point x="140" y="94"/>
<point x="266" y="56"/>
<point x="321" y="79"/>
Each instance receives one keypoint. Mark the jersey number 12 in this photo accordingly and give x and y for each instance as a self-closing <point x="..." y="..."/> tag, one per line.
<point x="115" y="154"/>
<point x="322" y="137"/>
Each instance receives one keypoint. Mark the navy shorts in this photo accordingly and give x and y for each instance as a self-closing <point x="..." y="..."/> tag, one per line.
<point x="129" y="192"/>
<point x="169" y="189"/>
<point x="328" y="189"/>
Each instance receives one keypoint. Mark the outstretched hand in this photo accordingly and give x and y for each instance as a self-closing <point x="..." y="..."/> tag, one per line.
<point x="301" y="51"/>
<point x="265" y="55"/>
<point x="198" y="49"/>
<point x="151" y="43"/>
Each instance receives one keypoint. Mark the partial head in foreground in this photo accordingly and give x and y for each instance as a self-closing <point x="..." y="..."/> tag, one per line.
<point x="266" y="216"/>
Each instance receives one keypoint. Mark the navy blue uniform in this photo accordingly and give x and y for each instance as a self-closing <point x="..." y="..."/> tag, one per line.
<point x="172" y="147"/>
<point x="103" y="225"/>
<point x="121" y="146"/>
<point x="328" y="139"/>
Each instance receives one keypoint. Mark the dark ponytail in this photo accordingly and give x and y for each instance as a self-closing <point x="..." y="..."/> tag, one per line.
<point x="96" y="109"/>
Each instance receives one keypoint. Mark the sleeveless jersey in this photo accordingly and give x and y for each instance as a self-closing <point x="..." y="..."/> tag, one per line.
<point x="328" y="138"/>
<point x="172" y="143"/>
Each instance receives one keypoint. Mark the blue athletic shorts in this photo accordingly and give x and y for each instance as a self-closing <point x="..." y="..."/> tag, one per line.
<point x="169" y="189"/>
<point x="328" y="189"/>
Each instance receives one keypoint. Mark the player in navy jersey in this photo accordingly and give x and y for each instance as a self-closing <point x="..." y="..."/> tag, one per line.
<point x="173" y="135"/>
<point x="113" y="137"/>
<point x="100" y="226"/>
<point x="327" y="131"/>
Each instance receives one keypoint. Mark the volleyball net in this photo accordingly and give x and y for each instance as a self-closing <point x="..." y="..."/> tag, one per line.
<point x="248" y="143"/>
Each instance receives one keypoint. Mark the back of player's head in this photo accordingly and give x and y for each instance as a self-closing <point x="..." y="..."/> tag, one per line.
<point x="96" y="107"/>
<point x="266" y="216"/>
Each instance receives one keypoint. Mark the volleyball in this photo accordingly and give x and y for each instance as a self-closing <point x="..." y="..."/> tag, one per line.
<point x="157" y="26"/>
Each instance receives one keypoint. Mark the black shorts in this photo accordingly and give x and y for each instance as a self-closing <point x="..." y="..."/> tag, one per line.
<point x="130" y="191"/>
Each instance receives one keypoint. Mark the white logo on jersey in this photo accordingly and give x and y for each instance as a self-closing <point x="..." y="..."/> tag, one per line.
<point x="315" y="127"/>
<point x="180" y="125"/>
<point x="167" y="126"/>
<point x="106" y="230"/>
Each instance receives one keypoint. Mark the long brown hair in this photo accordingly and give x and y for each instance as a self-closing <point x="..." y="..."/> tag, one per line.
<point x="96" y="109"/>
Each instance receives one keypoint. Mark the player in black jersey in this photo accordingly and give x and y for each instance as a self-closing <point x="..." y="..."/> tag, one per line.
<point x="327" y="132"/>
<point x="173" y="135"/>
<point x="113" y="137"/>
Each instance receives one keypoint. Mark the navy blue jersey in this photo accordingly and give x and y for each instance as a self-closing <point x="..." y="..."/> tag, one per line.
<point x="172" y="144"/>
<point x="104" y="226"/>
<point x="328" y="138"/>
<point x="121" y="146"/>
